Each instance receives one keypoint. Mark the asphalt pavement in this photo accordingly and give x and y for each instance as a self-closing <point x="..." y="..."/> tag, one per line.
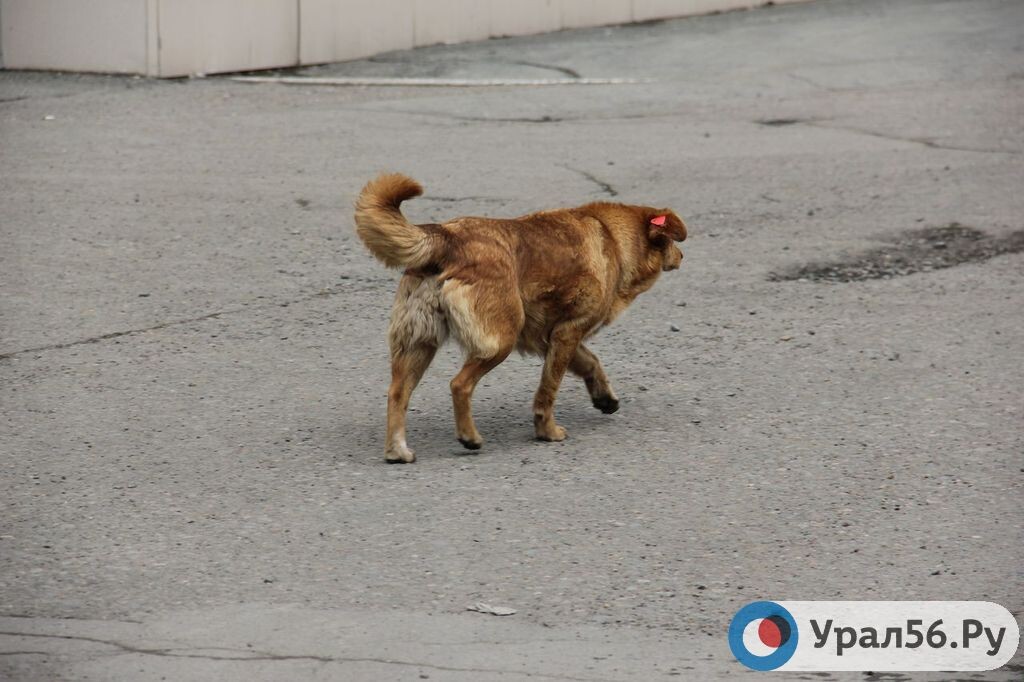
<point x="193" y="359"/>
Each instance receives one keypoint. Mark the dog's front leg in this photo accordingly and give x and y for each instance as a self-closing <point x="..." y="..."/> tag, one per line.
<point x="565" y="339"/>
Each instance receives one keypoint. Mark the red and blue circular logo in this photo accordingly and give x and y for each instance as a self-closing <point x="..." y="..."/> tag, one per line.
<point x="763" y="635"/>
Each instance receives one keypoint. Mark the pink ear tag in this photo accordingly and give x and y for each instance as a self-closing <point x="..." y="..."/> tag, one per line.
<point x="658" y="220"/>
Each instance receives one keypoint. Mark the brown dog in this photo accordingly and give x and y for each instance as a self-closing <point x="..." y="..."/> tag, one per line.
<point x="541" y="284"/>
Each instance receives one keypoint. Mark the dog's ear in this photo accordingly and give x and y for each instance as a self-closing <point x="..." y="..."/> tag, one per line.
<point x="665" y="223"/>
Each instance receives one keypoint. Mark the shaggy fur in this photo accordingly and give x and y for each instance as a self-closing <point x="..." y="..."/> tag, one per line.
<point x="541" y="284"/>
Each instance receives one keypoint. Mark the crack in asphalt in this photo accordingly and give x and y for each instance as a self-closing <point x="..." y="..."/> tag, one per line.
<point x="117" y="334"/>
<point x="323" y="293"/>
<point x="540" y="119"/>
<point x="605" y="187"/>
<point x="509" y="642"/>
<point x="925" y="141"/>
<point x="91" y="88"/>
<point x="472" y="119"/>
<point x="455" y="200"/>
<point x="28" y="617"/>
<point x="513" y="119"/>
<point x="571" y="73"/>
<point x="516" y="119"/>
<point x="809" y="81"/>
<point x="24" y="653"/>
<point x="259" y="655"/>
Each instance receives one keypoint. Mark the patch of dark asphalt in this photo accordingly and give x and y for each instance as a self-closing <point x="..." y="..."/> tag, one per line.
<point x="930" y="248"/>
<point x="779" y="122"/>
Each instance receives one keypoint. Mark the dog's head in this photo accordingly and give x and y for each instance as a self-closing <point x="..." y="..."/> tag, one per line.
<point x="662" y="229"/>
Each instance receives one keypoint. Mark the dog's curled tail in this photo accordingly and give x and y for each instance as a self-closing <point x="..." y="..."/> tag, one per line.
<point x="390" y="237"/>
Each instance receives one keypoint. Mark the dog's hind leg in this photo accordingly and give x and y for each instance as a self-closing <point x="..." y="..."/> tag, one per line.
<point x="417" y="330"/>
<point x="485" y="318"/>
<point x="586" y="366"/>
<point x="407" y="369"/>
<point x="562" y="346"/>
<point x="462" y="395"/>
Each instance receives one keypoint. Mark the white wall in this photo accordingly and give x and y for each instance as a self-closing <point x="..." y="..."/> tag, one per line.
<point x="524" y="17"/>
<point x="181" y="37"/>
<point x="107" y="35"/>
<point x="580" y="13"/>
<point x="645" y="10"/>
<point x="335" y="31"/>
<point x="213" y="36"/>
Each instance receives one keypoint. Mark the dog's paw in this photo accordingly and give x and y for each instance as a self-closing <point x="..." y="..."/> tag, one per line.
<point x="471" y="443"/>
<point x="553" y="434"/>
<point x="399" y="455"/>
<point x="606" y="403"/>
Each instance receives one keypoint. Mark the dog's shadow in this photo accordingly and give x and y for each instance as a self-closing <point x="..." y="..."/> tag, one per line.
<point x="506" y="426"/>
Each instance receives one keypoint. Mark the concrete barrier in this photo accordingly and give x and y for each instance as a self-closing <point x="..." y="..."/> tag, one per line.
<point x="170" y="38"/>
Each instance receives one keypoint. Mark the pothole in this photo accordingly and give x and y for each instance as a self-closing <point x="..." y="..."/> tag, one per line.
<point x="931" y="248"/>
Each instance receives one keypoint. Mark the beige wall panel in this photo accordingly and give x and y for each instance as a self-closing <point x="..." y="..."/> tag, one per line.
<point x="336" y="30"/>
<point x="581" y="13"/>
<point x="659" y="9"/>
<point x="181" y="37"/>
<point x="212" y="36"/>
<point x="105" y="36"/>
<point x="152" y="37"/>
<point x="451" y="21"/>
<point x="523" y="17"/>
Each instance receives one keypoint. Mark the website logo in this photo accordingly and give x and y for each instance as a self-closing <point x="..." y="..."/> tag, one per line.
<point x="763" y="635"/>
<point x="874" y="635"/>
